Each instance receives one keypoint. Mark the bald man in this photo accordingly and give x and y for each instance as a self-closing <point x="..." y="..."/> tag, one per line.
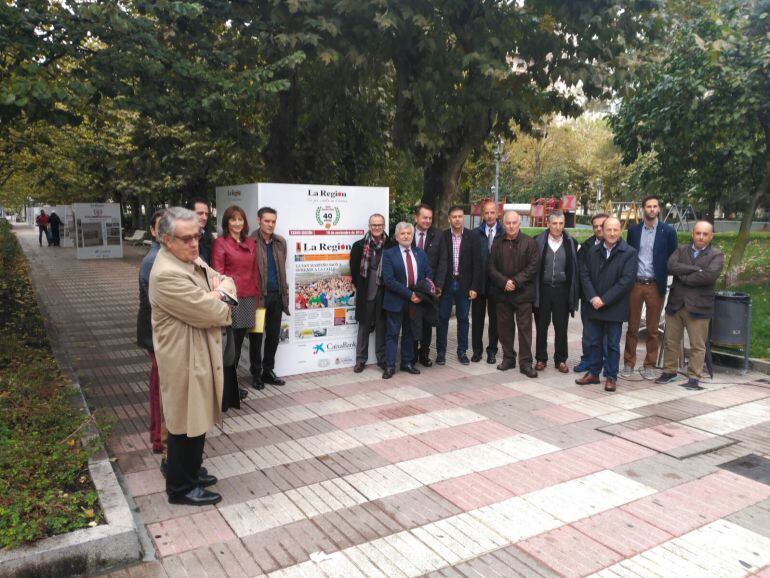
<point x="512" y="266"/>
<point x="696" y="268"/>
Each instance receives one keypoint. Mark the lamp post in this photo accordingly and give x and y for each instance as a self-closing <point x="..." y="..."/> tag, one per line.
<point x="498" y="152"/>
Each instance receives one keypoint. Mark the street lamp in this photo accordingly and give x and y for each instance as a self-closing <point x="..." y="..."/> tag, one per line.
<point x="498" y="152"/>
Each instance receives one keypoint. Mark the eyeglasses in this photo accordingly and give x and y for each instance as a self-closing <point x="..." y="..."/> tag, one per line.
<point x="376" y="224"/>
<point x="188" y="239"/>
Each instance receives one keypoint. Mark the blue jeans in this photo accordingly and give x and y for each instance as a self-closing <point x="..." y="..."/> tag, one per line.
<point x="453" y="296"/>
<point x="599" y="331"/>
<point x="584" y="305"/>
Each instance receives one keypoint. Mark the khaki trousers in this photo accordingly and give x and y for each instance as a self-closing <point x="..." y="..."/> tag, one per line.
<point x="697" y="332"/>
<point x="648" y="295"/>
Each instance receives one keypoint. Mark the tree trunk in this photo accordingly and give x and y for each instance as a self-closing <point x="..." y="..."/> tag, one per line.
<point x="441" y="184"/>
<point x="736" y="257"/>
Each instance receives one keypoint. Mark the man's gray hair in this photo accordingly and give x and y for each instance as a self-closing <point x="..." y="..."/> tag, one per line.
<point x="167" y="224"/>
<point x="508" y="212"/>
<point x="554" y="215"/>
<point x="403" y="225"/>
<point x="373" y="215"/>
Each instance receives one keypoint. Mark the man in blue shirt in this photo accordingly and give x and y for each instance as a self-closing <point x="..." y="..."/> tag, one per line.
<point x="654" y="242"/>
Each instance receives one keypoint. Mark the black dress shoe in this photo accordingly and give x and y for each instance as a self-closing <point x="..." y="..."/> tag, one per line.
<point x="271" y="378"/>
<point x="206" y="480"/>
<point x="506" y="365"/>
<point x="426" y="362"/>
<point x="359" y="367"/>
<point x="528" y="370"/>
<point x="257" y="383"/>
<point x="381" y="365"/>
<point x="196" y="497"/>
<point x="440" y="360"/>
<point x="388" y="373"/>
<point x="243" y="393"/>
<point x="491" y="360"/>
<point x="463" y="359"/>
<point x="476" y="357"/>
<point x="410" y="369"/>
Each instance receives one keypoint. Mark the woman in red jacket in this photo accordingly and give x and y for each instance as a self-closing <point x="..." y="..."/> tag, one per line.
<point x="234" y="254"/>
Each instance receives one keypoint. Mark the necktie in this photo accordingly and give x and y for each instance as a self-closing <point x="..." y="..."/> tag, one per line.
<point x="409" y="269"/>
<point x="421" y="244"/>
<point x="490" y="237"/>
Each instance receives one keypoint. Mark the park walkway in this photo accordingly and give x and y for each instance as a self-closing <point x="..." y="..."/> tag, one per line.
<point x="460" y="471"/>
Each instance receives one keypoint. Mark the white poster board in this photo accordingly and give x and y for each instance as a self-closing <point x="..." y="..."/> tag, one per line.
<point x="320" y="224"/>
<point x="98" y="233"/>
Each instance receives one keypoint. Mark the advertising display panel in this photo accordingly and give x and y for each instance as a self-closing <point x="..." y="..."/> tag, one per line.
<point x="320" y="224"/>
<point x="98" y="233"/>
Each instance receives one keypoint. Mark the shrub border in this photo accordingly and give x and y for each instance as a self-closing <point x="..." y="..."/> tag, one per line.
<point x="88" y="550"/>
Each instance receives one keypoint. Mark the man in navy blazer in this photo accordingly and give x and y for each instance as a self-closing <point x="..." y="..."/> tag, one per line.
<point x="654" y="243"/>
<point x="489" y="230"/>
<point x="402" y="267"/>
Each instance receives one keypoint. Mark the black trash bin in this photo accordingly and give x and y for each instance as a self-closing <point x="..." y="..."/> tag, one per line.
<point x="731" y="325"/>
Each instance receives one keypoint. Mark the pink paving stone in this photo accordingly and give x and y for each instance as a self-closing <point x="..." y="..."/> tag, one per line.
<point x="666" y="436"/>
<point x="312" y="395"/>
<point x="402" y="449"/>
<point x="445" y="440"/>
<point x="399" y="411"/>
<point x="432" y="403"/>
<point x="622" y="532"/>
<point x="481" y="395"/>
<point x="487" y="430"/>
<point x="569" y="552"/>
<point x="190" y="532"/>
<point x="611" y="452"/>
<point x="763" y="573"/>
<point x="730" y="396"/>
<point x="146" y="482"/>
<point x="351" y="419"/>
<point x="561" y="414"/>
<point x="471" y="491"/>
<point x="540" y="472"/>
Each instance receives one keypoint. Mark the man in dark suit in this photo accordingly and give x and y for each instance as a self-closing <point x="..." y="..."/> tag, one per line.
<point x="597" y="223"/>
<point x="427" y="238"/>
<point x="459" y="281"/>
<point x="489" y="230"/>
<point x="607" y="276"/>
<point x="512" y="266"/>
<point x="402" y="268"/>
<point x="202" y="210"/>
<point x="365" y="258"/>
<point x="654" y="243"/>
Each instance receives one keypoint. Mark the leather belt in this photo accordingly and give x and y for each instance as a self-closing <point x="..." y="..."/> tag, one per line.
<point x="642" y="281"/>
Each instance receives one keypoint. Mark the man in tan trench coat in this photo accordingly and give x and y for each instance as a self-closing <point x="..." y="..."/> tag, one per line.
<point x="189" y="307"/>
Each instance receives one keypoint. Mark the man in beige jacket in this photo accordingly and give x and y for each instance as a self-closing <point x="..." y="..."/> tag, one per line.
<point x="190" y="304"/>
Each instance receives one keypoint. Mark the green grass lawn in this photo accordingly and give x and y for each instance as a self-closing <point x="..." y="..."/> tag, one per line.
<point x="760" y="318"/>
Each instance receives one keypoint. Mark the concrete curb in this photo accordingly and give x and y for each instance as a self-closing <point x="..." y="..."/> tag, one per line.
<point x="89" y="550"/>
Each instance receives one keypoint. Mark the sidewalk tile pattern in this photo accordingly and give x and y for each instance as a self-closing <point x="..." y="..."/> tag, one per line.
<point x="458" y="471"/>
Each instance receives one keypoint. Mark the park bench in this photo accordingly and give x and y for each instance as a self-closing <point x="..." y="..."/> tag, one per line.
<point x="136" y="238"/>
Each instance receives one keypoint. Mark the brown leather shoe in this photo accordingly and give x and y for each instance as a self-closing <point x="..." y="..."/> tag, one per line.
<point x="359" y="367"/>
<point x="587" y="379"/>
<point x="540" y="366"/>
<point x="562" y="367"/>
<point x="610" y="385"/>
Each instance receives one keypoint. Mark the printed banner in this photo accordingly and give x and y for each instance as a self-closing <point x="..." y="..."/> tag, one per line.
<point x="98" y="233"/>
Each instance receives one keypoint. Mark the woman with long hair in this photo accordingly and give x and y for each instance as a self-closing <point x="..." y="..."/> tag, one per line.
<point x="234" y="254"/>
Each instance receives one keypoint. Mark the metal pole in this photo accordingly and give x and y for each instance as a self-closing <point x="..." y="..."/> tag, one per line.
<point x="498" y="154"/>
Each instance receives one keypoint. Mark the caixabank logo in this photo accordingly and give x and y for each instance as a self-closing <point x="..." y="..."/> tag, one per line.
<point x="327" y="216"/>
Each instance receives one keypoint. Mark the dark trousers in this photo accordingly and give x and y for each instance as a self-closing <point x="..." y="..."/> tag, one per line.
<point x="452" y="295"/>
<point x="584" y="305"/>
<point x="398" y="322"/>
<point x="522" y="313"/>
<point x="43" y="231"/>
<point x="599" y="331"/>
<point x="422" y="347"/>
<point x="362" y="339"/>
<point x="185" y="456"/>
<point x="553" y="307"/>
<point x="479" y="308"/>
<point x="273" y="314"/>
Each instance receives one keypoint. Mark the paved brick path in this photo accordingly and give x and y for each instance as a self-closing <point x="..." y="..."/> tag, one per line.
<point x="460" y="471"/>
